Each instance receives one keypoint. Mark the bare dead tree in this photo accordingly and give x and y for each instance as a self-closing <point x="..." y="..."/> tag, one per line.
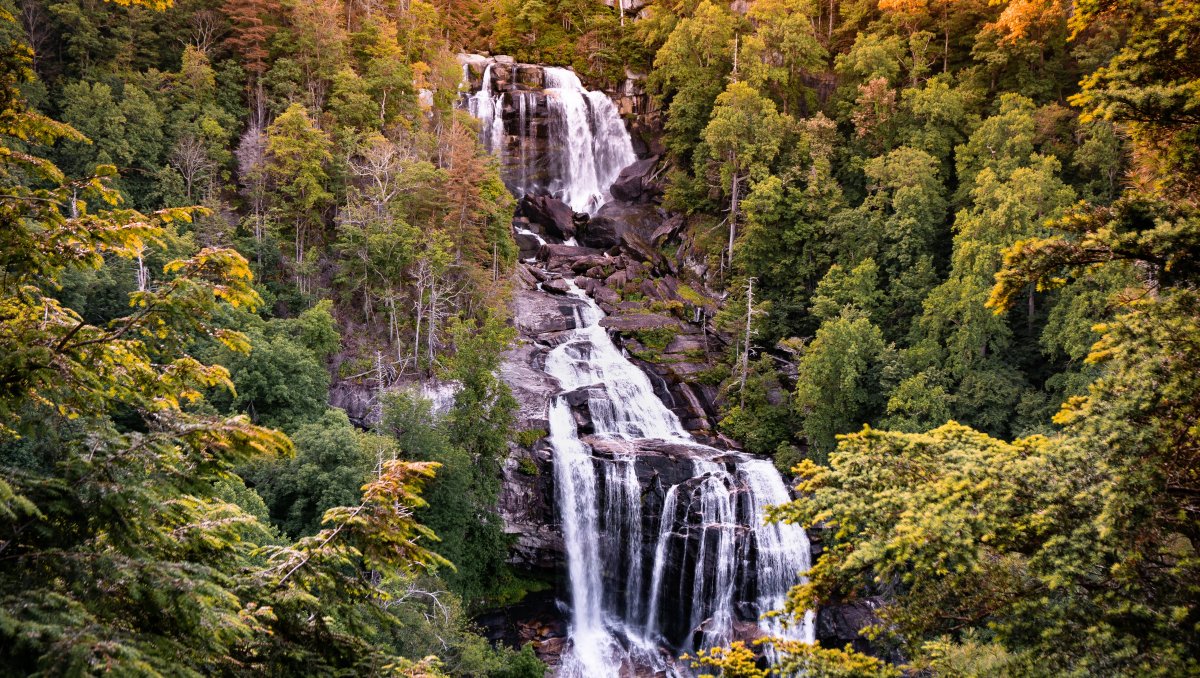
<point x="252" y="163"/>
<point x="422" y="281"/>
<point x="37" y="28"/>
<point x="191" y="158"/>
<point x="381" y="165"/>
<point x="206" y="27"/>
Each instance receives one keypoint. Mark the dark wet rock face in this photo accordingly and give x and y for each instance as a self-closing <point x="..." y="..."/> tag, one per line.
<point x="556" y="220"/>
<point x="607" y="227"/>
<point x="635" y="183"/>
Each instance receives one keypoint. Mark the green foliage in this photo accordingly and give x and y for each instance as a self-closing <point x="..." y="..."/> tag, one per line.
<point x="688" y="71"/>
<point x="528" y="437"/>
<point x="131" y="545"/>
<point x="657" y="338"/>
<point x="523" y="664"/>
<point x="528" y="466"/>
<point x="763" y="417"/>
<point x="838" y="379"/>
<point x="463" y="497"/>
<point x="332" y="461"/>
<point x="280" y="382"/>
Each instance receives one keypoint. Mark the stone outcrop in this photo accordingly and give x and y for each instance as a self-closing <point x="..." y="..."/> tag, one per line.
<point x="615" y="218"/>
<point x="635" y="183"/>
<point x="555" y="219"/>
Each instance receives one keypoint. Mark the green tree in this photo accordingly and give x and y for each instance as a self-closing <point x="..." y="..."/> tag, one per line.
<point x="782" y="51"/>
<point x="688" y="73"/>
<point x="837" y="387"/>
<point x="957" y="334"/>
<point x="742" y="137"/>
<point x="298" y="152"/>
<point x="121" y="549"/>
<point x="330" y="466"/>
<point x="789" y="240"/>
<point x="841" y="289"/>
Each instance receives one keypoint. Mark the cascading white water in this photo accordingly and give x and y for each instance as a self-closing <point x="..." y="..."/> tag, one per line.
<point x="712" y="587"/>
<point x="781" y="550"/>
<point x="489" y="110"/>
<point x="523" y="184"/>
<point x="627" y="407"/>
<point x="633" y="608"/>
<point x="665" y="530"/>
<point x="609" y="627"/>
<point x="593" y="146"/>
<point x="588" y="145"/>
<point x="575" y="486"/>
<point x="623" y="531"/>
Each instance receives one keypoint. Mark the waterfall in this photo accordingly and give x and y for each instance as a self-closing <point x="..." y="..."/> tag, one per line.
<point x="610" y="628"/>
<point x="592" y="144"/>
<point x="642" y="588"/>
<point x="665" y="530"/>
<point x="623" y="532"/>
<point x="523" y="186"/>
<point x="712" y="587"/>
<point x="489" y="110"/>
<point x="781" y="550"/>
<point x="575" y="485"/>
<point x="588" y="144"/>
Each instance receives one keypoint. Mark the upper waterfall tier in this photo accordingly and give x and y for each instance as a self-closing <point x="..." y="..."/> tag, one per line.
<point x="552" y="135"/>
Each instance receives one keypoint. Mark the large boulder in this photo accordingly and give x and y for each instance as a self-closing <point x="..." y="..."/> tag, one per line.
<point x="633" y="183"/>
<point x="562" y="257"/>
<point x="643" y="251"/>
<point x="667" y="230"/>
<point x="839" y="625"/>
<point x="615" y="218"/>
<point x="528" y="243"/>
<point x="639" y="322"/>
<point x="553" y="215"/>
<point x="535" y="313"/>
<point x="476" y="64"/>
<point x="531" y="76"/>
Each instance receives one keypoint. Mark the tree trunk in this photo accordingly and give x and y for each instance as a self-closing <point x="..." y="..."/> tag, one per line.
<point x="433" y="304"/>
<point x="946" y="50"/>
<point x="733" y="213"/>
<point x="1031" y="308"/>
<point x="746" y="348"/>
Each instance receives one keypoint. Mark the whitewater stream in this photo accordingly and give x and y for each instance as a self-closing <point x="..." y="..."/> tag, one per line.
<point x="684" y="581"/>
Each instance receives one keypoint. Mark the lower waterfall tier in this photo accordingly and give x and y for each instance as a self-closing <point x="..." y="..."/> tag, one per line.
<point x="664" y="539"/>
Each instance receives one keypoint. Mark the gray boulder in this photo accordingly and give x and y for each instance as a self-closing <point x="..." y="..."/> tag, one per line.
<point x="633" y="183"/>
<point x="553" y="215"/>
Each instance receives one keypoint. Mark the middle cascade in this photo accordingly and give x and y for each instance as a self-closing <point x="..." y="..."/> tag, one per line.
<point x="712" y="524"/>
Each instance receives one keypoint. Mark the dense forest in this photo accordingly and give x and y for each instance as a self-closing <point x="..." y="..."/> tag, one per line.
<point x="956" y="253"/>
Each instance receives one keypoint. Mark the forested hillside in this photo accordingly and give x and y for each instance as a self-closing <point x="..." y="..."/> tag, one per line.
<point x="951" y="251"/>
<point x="211" y="212"/>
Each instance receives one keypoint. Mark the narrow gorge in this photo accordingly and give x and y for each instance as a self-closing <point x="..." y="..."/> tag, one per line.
<point x="654" y="522"/>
